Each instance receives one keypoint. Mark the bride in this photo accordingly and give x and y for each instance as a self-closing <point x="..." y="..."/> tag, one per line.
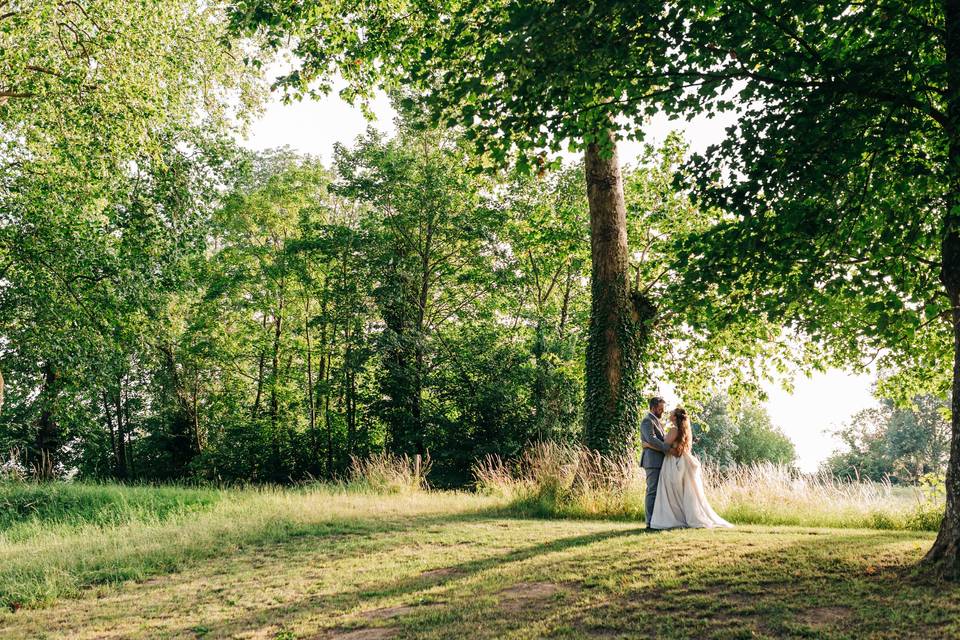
<point x="681" y="501"/>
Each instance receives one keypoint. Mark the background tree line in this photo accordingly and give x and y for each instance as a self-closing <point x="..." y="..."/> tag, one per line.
<point x="830" y="211"/>
<point x="173" y="306"/>
<point x="263" y="317"/>
<point x="727" y="434"/>
<point x="890" y="442"/>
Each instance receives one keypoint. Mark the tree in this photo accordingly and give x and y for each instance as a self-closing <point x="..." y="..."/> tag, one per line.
<point x="714" y="431"/>
<point x="757" y="440"/>
<point x="521" y="77"/>
<point x="82" y="298"/>
<point x="728" y="435"/>
<point x="841" y="181"/>
<point x="428" y="236"/>
<point x="919" y="438"/>
<point x="547" y="239"/>
<point x="253" y="319"/>
<point x="897" y="443"/>
<point x="98" y="107"/>
<point x="346" y="311"/>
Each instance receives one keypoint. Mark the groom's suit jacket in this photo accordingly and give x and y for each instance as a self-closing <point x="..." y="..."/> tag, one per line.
<point x="651" y="432"/>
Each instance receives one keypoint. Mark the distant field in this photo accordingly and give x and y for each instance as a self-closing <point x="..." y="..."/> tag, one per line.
<point x="328" y="563"/>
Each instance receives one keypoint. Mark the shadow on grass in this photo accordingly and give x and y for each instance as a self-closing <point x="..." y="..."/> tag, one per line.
<point x="28" y="585"/>
<point x="830" y="585"/>
<point x="839" y="585"/>
<point x="339" y="604"/>
<point x="609" y="583"/>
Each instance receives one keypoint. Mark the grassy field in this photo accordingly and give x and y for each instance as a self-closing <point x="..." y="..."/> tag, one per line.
<point x="328" y="563"/>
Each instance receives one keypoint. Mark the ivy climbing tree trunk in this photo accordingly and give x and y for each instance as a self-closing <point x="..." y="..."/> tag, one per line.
<point x="610" y="414"/>
<point x="944" y="556"/>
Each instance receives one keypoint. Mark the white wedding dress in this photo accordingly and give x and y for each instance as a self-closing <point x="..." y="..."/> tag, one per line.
<point x="681" y="501"/>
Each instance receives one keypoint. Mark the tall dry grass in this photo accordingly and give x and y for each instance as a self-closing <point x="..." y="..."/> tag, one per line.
<point x="558" y="480"/>
<point x="551" y="479"/>
<point x="385" y="473"/>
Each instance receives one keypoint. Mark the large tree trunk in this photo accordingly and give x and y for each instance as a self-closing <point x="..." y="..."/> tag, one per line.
<point x="275" y="364"/>
<point x="311" y="404"/>
<point x="611" y="409"/>
<point x="944" y="556"/>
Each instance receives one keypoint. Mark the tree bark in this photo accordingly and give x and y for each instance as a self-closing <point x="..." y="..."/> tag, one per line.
<point x="311" y="404"/>
<point x="121" y="461"/>
<point x="275" y="364"/>
<point x="347" y="388"/>
<point x="261" y="365"/>
<point x="195" y="411"/>
<point x="113" y="438"/>
<point x="328" y="427"/>
<point x="49" y="439"/>
<point x="323" y="375"/>
<point x="128" y="432"/>
<point x="944" y="556"/>
<point x="611" y="410"/>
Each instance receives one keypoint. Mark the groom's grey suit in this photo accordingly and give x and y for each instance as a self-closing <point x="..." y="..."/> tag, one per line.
<point x="651" y="432"/>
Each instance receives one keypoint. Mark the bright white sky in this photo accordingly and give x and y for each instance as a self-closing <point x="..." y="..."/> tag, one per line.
<point x="817" y="405"/>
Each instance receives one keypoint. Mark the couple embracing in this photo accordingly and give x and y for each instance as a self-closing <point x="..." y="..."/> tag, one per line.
<point x="675" y="496"/>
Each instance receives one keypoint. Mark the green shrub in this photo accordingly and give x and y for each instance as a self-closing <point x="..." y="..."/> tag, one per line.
<point x="928" y="514"/>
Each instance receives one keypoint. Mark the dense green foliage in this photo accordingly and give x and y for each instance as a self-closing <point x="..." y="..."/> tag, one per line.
<point x="175" y="307"/>
<point x="261" y="317"/>
<point x="842" y="185"/>
<point x="525" y="79"/>
<point x="726" y="436"/>
<point x="111" y="116"/>
<point x="396" y="301"/>
<point x="840" y="181"/>
<point x="902" y="444"/>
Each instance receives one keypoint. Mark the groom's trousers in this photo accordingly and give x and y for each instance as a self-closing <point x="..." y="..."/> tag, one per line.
<point x="653" y="479"/>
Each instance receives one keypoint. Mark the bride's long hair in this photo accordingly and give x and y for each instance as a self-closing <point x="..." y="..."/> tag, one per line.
<point x="681" y="421"/>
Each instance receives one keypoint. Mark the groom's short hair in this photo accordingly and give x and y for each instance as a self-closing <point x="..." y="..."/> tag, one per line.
<point x="654" y="401"/>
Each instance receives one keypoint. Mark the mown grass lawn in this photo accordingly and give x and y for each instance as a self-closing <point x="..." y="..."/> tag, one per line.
<point x="455" y="566"/>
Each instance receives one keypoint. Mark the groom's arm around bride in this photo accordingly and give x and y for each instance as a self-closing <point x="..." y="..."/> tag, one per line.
<point x="655" y="445"/>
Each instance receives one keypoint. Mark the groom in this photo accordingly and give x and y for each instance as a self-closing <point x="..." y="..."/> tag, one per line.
<point x="652" y="434"/>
